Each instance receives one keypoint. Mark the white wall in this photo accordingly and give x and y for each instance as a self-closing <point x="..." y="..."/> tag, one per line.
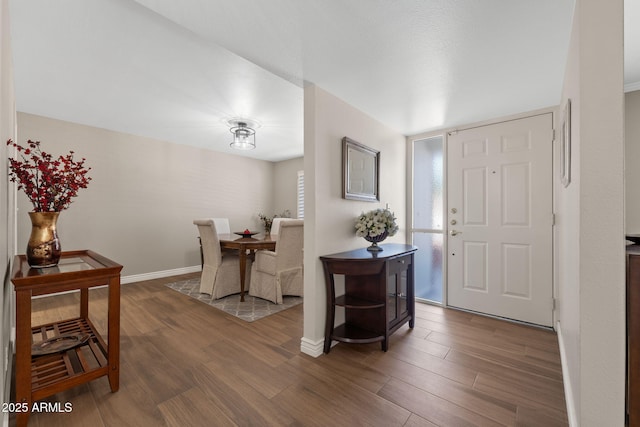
<point x="590" y="220"/>
<point x="285" y="187"/>
<point x="139" y="208"/>
<point x="632" y="162"/>
<point x="7" y="131"/>
<point x="329" y="219"/>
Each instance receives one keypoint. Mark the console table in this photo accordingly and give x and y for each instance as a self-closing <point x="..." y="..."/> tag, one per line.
<point x="379" y="294"/>
<point x="40" y="376"/>
<point x="633" y="336"/>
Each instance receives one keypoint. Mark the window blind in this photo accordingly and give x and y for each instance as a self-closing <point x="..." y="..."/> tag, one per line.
<point x="300" y="194"/>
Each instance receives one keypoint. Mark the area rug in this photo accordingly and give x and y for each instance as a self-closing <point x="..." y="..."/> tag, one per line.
<point x="250" y="310"/>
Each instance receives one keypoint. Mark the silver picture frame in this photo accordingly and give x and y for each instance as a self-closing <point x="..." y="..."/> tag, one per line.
<point x="361" y="168"/>
<point x="565" y="146"/>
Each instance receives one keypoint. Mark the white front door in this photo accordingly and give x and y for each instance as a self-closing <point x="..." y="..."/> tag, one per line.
<point x="500" y="219"/>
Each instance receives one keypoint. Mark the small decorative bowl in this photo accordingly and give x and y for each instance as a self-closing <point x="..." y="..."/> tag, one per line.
<point x="243" y="234"/>
<point x="635" y="238"/>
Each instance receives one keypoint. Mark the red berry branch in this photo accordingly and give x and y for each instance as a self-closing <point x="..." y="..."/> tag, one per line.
<point x="49" y="183"/>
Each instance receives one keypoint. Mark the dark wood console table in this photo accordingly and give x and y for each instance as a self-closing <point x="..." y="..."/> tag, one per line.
<point x="379" y="294"/>
<point x="40" y="376"/>
<point x="633" y="335"/>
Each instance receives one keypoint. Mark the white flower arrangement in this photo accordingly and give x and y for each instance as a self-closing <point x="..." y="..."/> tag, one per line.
<point x="375" y="223"/>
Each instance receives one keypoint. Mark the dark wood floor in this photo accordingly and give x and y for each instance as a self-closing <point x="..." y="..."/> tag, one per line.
<point x="184" y="363"/>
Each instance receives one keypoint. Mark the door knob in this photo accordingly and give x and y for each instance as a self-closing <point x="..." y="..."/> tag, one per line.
<point x="454" y="232"/>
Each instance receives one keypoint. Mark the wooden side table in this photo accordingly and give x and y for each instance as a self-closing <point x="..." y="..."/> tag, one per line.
<point x="379" y="294"/>
<point x="41" y="376"/>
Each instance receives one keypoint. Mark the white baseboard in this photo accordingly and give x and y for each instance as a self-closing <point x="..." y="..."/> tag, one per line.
<point x="312" y="348"/>
<point x="7" y="377"/>
<point x="632" y="87"/>
<point x="159" y="274"/>
<point x="566" y="380"/>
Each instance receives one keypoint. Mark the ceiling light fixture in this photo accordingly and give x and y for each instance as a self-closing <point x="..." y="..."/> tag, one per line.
<point x="244" y="137"/>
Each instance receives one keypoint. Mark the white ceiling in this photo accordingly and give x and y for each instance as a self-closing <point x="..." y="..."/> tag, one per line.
<point x="178" y="70"/>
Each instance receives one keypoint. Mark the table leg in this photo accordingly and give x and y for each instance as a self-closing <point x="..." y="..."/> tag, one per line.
<point x="243" y="270"/>
<point x="331" y="308"/>
<point x="328" y="330"/>
<point x="84" y="303"/>
<point x="23" y="356"/>
<point x="411" y="294"/>
<point x="113" y="333"/>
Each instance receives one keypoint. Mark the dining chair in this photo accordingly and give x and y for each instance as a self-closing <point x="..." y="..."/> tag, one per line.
<point x="280" y="272"/>
<point x="222" y="225"/>
<point x="220" y="274"/>
<point x="275" y="225"/>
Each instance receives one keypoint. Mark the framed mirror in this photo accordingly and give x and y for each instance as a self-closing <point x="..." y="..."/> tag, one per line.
<point x="361" y="167"/>
<point x="565" y="151"/>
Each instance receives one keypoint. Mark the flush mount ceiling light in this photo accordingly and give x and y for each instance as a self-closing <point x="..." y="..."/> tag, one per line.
<point x="244" y="134"/>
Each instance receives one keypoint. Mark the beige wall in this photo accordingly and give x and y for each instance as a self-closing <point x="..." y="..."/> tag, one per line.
<point x="145" y="193"/>
<point x="590" y="220"/>
<point x="632" y="162"/>
<point x="7" y="131"/>
<point x="285" y="187"/>
<point x="567" y="248"/>
<point x="329" y="219"/>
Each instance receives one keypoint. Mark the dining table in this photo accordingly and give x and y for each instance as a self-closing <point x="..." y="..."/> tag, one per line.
<point x="246" y="248"/>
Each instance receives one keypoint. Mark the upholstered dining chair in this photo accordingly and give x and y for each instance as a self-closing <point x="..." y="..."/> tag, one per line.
<point x="220" y="274"/>
<point x="275" y="225"/>
<point x="222" y="225"/>
<point x="280" y="272"/>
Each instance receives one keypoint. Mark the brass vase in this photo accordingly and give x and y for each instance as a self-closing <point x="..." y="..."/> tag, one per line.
<point x="43" y="249"/>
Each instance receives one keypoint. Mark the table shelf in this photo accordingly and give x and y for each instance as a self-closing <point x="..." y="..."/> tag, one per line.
<point x="355" y="334"/>
<point x="350" y="301"/>
<point x="87" y="360"/>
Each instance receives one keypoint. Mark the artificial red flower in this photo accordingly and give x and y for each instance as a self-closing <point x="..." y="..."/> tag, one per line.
<point x="49" y="183"/>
